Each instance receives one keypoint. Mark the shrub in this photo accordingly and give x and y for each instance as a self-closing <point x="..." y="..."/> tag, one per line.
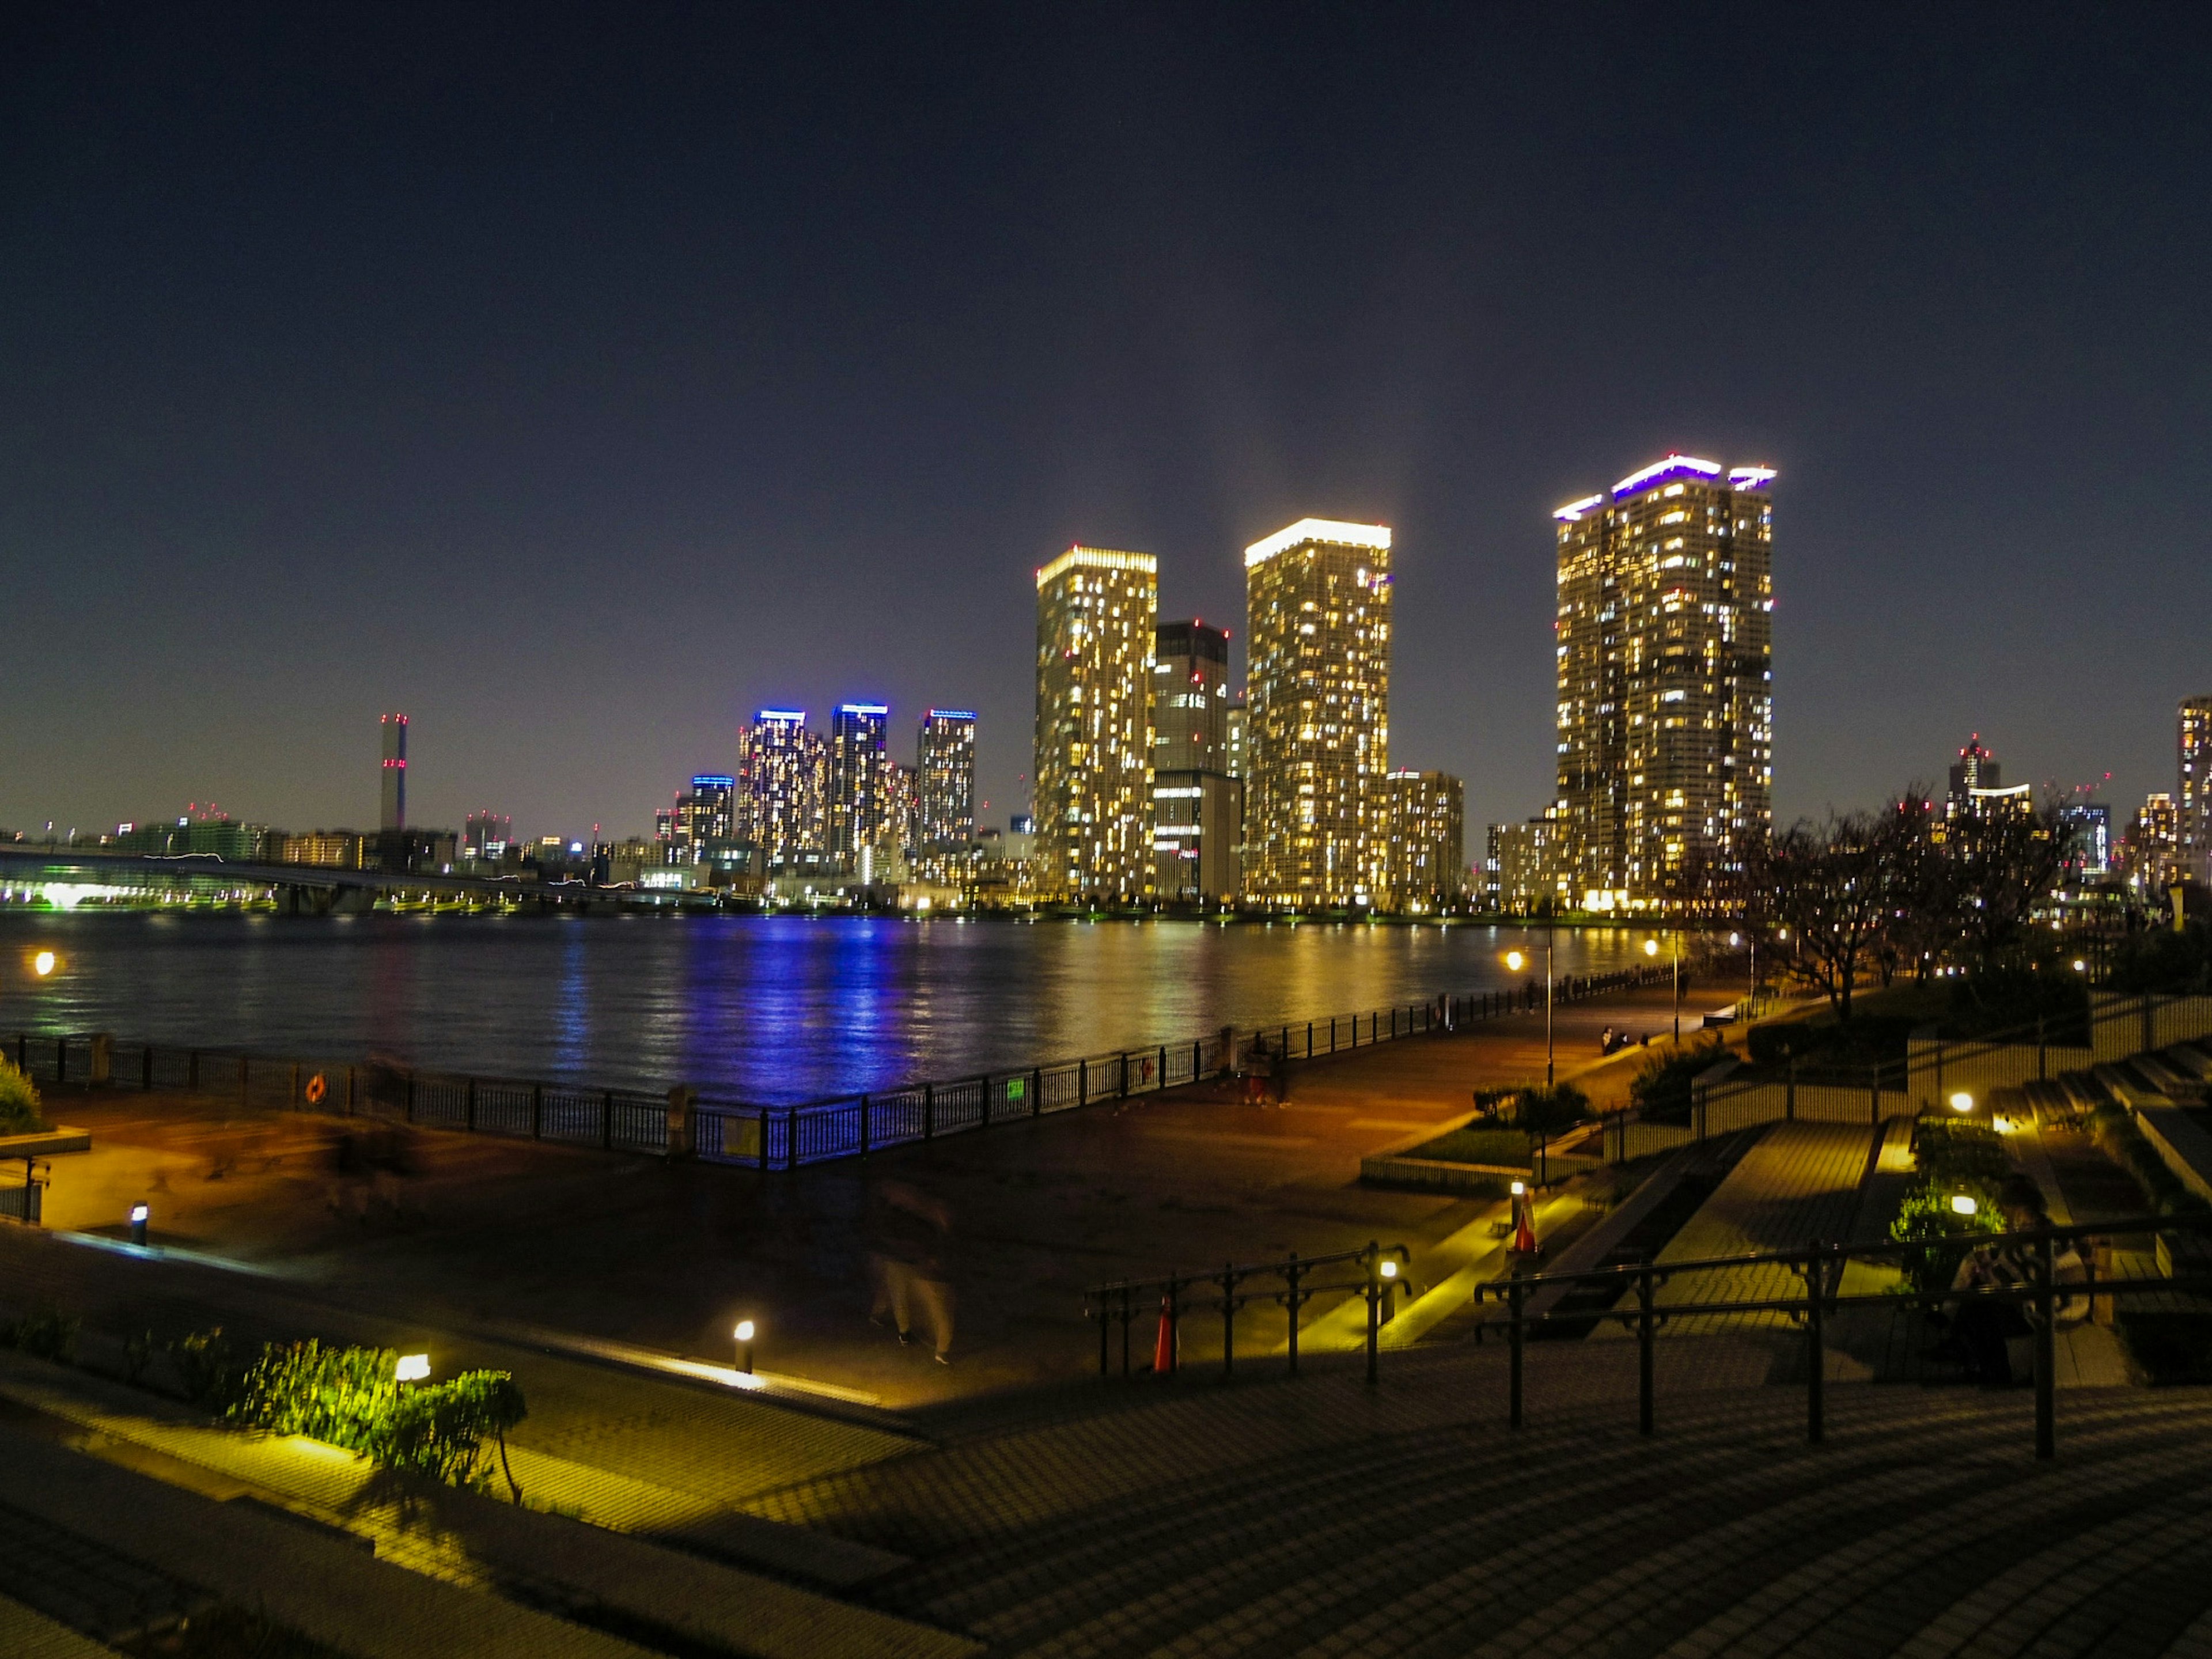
<point x="1661" y="1087"/>
<point x="1541" y="1111"/>
<point x="440" y="1430"/>
<point x="20" y="1112"/>
<point x="46" y="1333"/>
<point x="1954" y="1156"/>
<point x="2117" y="1136"/>
<point x="333" y="1395"/>
<point x="208" y="1369"/>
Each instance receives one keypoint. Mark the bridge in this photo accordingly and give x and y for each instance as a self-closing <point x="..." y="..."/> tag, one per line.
<point x="317" y="890"/>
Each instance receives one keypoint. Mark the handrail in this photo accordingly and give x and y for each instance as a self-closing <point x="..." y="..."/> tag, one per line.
<point x="1810" y="1263"/>
<point x="1121" y="1299"/>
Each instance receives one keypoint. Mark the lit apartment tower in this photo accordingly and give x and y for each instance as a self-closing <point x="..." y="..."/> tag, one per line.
<point x="1198" y="806"/>
<point x="706" y="814"/>
<point x="1425" y="846"/>
<point x="1096" y="609"/>
<point x="858" y="756"/>
<point x="2193" y="799"/>
<point x="2152" y="846"/>
<point x="782" y="783"/>
<point x="1976" y="770"/>
<point x="944" y="761"/>
<point x="1666" y="698"/>
<point x="1318" y="727"/>
<point x="393" y="815"/>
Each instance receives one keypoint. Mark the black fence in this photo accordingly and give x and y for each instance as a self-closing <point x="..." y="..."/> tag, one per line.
<point x="1629" y="1295"/>
<point x="679" y="1122"/>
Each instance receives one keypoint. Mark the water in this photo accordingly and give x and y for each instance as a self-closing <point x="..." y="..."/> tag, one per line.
<point x="769" y="1008"/>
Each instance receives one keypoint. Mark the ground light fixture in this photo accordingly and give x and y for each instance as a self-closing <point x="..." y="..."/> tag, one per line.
<point x="139" y="1213"/>
<point x="43" y="963"/>
<point x="1961" y="1204"/>
<point x="744" y="1335"/>
<point x="411" y="1368"/>
<point x="1962" y="1102"/>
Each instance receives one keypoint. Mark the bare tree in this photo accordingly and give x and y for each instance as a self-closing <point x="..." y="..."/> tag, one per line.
<point x="1834" y="893"/>
<point x="2002" y="865"/>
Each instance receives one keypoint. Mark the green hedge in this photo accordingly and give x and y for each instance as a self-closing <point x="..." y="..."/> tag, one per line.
<point x="451" y="1431"/>
<point x="1952" y="1156"/>
<point x="19" y="1113"/>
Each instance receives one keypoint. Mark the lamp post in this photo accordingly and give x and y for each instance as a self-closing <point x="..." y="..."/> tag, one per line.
<point x="1651" y="948"/>
<point x="1515" y="961"/>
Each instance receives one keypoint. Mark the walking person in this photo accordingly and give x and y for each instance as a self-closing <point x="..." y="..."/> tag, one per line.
<point x="911" y="1234"/>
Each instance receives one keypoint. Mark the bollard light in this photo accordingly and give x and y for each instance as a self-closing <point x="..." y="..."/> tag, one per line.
<point x="1962" y="1102"/>
<point x="411" y="1368"/>
<point x="1962" y="1205"/>
<point x="744" y="1335"/>
<point x="139" y="1213"/>
<point x="43" y="963"/>
<point x="1519" y="1187"/>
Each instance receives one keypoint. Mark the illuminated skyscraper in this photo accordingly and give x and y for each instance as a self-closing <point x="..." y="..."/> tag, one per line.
<point x="2193" y="799"/>
<point x="1317" y="731"/>
<point x="1424" y="852"/>
<point x="1096" y="609"/>
<point x="857" y="763"/>
<point x="945" y="760"/>
<point x="1975" y="768"/>
<point x="783" y="779"/>
<point x="1198" y="808"/>
<point x="1666" y="702"/>
<point x="393" y="812"/>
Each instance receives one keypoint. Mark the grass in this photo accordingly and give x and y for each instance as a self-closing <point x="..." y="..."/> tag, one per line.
<point x="1509" y="1147"/>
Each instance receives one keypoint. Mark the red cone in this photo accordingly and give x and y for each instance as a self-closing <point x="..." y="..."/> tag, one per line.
<point x="1163" y="1356"/>
<point x="1525" y="1229"/>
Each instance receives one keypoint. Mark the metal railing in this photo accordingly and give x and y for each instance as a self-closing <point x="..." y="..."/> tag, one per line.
<point x="680" y="1122"/>
<point x="1818" y="1267"/>
<point x="1227" y="1292"/>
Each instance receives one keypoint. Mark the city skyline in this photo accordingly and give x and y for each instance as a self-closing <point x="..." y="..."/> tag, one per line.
<point x="387" y="354"/>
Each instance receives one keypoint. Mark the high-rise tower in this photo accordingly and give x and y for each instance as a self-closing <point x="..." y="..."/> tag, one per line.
<point x="393" y="812"/>
<point x="782" y="783"/>
<point x="1096" y="609"/>
<point x="944" y="765"/>
<point x="858" y="764"/>
<point x="2193" y="798"/>
<point x="1666" y="740"/>
<point x="1198" y="808"/>
<point x="1317" y="684"/>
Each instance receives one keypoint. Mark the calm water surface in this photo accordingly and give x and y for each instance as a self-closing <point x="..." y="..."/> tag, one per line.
<point x="776" y="1009"/>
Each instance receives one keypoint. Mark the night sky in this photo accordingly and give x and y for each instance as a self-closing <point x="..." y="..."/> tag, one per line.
<point x="578" y="380"/>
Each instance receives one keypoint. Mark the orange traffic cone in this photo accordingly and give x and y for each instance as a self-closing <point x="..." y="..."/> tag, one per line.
<point x="1524" y="1227"/>
<point x="1163" y="1348"/>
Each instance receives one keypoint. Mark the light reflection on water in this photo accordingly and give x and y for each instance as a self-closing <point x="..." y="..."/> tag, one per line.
<point x="775" y="1009"/>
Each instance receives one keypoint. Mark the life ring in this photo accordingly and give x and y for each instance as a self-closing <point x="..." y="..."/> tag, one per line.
<point x="317" y="1088"/>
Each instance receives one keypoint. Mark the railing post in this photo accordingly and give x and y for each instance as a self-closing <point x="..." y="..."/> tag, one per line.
<point x="1308" y="1039"/>
<point x="1037" y="1092"/>
<point x="1816" y="1352"/>
<point x="761" y="1118"/>
<point x="1163" y="1083"/>
<point x="1513" y="1294"/>
<point x="1644" y="1335"/>
<point x="791" y="1138"/>
<point x="607" y="1124"/>
<point x="928" y="1111"/>
<point x="1197" y="1058"/>
<point x="1291" y="1301"/>
<point x="1082" y="1082"/>
<point x="1374" y="1303"/>
<point x="1228" y="1319"/>
<point x="2046" y="1392"/>
<point x="865" y="1127"/>
<point x="538" y="1111"/>
<point x="470" y="1107"/>
<point x="1122" y="1093"/>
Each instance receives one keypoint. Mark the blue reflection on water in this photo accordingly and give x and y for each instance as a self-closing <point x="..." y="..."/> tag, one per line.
<point x="776" y="1009"/>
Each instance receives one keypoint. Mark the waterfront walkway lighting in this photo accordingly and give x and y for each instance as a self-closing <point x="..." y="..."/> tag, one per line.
<point x="43" y="963"/>
<point x="1513" y="960"/>
<point x="139" y="1213"/>
<point x="411" y="1368"/>
<point x="744" y="1335"/>
<point x="1963" y="1205"/>
<point x="1962" y="1102"/>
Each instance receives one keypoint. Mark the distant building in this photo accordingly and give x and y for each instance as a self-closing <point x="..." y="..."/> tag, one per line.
<point x="486" y="834"/>
<point x="858" y="756"/>
<point x="411" y="852"/>
<point x="944" y="785"/>
<point x="1975" y="768"/>
<point x="2021" y="799"/>
<point x="331" y="849"/>
<point x="1198" y="807"/>
<point x="1533" y="864"/>
<point x="1096" y="610"/>
<point x="782" y="789"/>
<point x="392" y="814"/>
<point x="2092" y="854"/>
<point x="2193" y="790"/>
<point x="2149" y="849"/>
<point x="1426" y="849"/>
<point x="1317" y="642"/>
<point x="1237" y="722"/>
<point x="1666" y="741"/>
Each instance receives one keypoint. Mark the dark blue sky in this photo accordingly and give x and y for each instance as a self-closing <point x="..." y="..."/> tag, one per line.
<point x="578" y="380"/>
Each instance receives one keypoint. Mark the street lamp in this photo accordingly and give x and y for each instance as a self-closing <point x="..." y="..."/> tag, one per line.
<point x="1651" y="948"/>
<point x="1515" y="961"/>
